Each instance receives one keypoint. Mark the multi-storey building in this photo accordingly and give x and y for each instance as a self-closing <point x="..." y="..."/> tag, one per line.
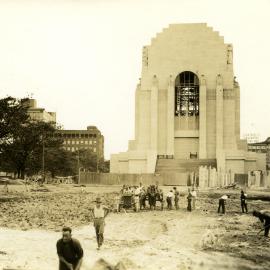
<point x="40" y="114"/>
<point x="252" y="137"/>
<point x="91" y="139"/>
<point x="262" y="147"/>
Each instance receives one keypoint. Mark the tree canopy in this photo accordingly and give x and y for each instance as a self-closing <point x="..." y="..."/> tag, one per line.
<point x="24" y="143"/>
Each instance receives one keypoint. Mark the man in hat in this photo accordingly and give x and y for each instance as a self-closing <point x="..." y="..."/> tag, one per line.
<point x="69" y="251"/>
<point x="243" y="199"/>
<point x="99" y="212"/>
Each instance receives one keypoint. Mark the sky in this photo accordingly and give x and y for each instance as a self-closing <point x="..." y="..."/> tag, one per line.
<point x="82" y="59"/>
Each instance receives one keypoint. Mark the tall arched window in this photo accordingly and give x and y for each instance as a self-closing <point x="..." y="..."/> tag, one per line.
<point x="187" y="94"/>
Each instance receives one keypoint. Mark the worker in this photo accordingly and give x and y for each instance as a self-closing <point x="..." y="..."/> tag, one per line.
<point x="189" y="199"/>
<point x="142" y="197"/>
<point x="222" y="202"/>
<point x="161" y="198"/>
<point x="69" y="250"/>
<point x="264" y="216"/>
<point x="194" y="198"/>
<point x="117" y="201"/>
<point x="243" y="199"/>
<point x="136" y="196"/>
<point x="176" y="198"/>
<point x="169" y="198"/>
<point x="99" y="213"/>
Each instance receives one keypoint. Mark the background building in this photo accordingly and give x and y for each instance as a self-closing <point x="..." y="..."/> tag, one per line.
<point x="187" y="107"/>
<point x="262" y="147"/>
<point x="252" y="137"/>
<point x="90" y="139"/>
<point x="40" y="114"/>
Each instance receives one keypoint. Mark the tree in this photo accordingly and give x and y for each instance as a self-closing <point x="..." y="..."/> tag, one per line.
<point x="13" y="114"/>
<point x="86" y="159"/>
<point x="60" y="162"/>
<point x="24" y="152"/>
<point x="104" y="166"/>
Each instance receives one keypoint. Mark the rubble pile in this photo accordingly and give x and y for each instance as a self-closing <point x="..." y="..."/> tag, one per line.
<point x="48" y="211"/>
<point x="123" y="264"/>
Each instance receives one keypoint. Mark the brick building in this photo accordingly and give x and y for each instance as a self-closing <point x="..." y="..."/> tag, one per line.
<point x="262" y="147"/>
<point x="90" y="139"/>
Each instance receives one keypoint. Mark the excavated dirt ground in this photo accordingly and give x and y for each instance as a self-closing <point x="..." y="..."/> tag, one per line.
<point x="31" y="222"/>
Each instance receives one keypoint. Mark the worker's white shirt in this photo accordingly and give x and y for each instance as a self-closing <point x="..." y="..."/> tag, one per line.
<point x="99" y="212"/>
<point x="137" y="191"/>
<point x="194" y="193"/>
<point x="169" y="194"/>
<point x="224" y="197"/>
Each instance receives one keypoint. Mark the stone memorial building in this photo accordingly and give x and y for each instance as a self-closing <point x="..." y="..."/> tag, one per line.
<point x="187" y="110"/>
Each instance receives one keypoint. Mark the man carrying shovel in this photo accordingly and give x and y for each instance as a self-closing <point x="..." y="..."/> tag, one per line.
<point x="99" y="213"/>
<point x="264" y="216"/>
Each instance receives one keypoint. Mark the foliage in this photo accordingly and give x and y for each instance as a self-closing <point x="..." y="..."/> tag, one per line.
<point x="13" y="114"/>
<point x="104" y="166"/>
<point x="86" y="159"/>
<point x="24" y="151"/>
<point x="25" y="142"/>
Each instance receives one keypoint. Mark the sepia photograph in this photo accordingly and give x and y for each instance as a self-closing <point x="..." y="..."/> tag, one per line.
<point x="134" y="135"/>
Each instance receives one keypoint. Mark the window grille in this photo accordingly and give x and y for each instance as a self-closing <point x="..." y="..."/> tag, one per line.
<point x="187" y="94"/>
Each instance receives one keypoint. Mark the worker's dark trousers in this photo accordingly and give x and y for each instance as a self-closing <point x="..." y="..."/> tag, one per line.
<point x="244" y="207"/>
<point x="169" y="203"/>
<point x="176" y="203"/>
<point x="99" y="228"/>
<point x="267" y="227"/>
<point x="221" y="204"/>
<point x="189" y="208"/>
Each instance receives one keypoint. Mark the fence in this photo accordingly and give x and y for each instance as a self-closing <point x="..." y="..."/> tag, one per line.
<point x="169" y="179"/>
<point x="208" y="177"/>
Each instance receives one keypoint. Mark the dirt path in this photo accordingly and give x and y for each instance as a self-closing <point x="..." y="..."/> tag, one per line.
<point x="148" y="240"/>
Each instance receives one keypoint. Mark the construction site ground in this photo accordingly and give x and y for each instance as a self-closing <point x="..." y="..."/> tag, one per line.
<point x="31" y="223"/>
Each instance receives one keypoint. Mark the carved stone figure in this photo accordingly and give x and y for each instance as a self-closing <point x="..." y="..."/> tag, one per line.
<point x="170" y="81"/>
<point x="235" y="82"/>
<point x="155" y="80"/>
<point x="219" y="79"/>
<point x="203" y="80"/>
<point x="229" y="54"/>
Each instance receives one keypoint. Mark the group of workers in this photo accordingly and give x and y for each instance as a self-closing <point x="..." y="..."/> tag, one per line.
<point x="152" y="194"/>
<point x="263" y="215"/>
<point x="225" y="197"/>
<point x="70" y="252"/>
<point x="69" y="249"/>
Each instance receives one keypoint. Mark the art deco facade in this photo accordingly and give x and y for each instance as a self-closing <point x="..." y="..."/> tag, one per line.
<point x="187" y="105"/>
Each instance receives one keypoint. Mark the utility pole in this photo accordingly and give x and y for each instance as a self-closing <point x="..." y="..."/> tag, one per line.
<point x="43" y="160"/>
<point x="78" y="165"/>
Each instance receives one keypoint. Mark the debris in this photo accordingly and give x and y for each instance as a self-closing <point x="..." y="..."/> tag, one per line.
<point x="101" y="264"/>
<point x="233" y="186"/>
